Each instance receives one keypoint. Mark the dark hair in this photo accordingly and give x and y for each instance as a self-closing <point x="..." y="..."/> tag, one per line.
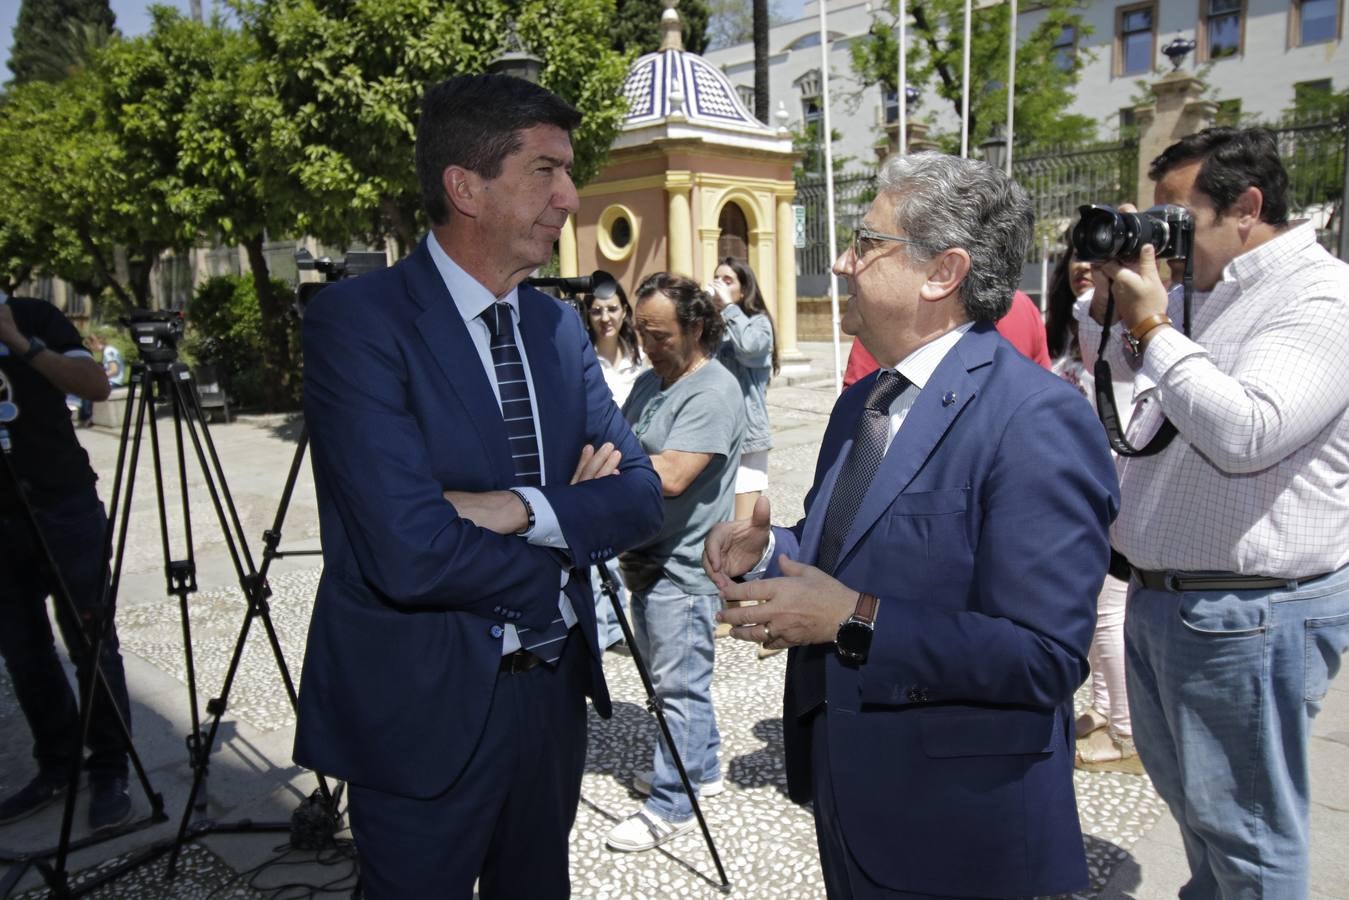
<point x="474" y="121"/>
<point x="1060" y="336"/>
<point x="751" y="298"/>
<point x="693" y="306"/>
<point x="627" y="334"/>
<point x="1234" y="159"/>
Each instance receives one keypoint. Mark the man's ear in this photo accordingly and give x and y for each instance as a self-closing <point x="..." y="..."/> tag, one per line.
<point x="945" y="272"/>
<point x="1248" y="206"/>
<point x="462" y="189"/>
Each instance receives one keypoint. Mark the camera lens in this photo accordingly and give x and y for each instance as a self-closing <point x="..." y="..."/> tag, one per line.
<point x="1099" y="234"/>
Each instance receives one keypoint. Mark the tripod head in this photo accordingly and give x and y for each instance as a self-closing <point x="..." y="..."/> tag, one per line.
<point x="355" y="262"/>
<point x="156" y="333"/>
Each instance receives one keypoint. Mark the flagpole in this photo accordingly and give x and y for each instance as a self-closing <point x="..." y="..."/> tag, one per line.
<point x="829" y="198"/>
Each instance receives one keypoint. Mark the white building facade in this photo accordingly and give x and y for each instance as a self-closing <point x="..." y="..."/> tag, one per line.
<point x="1256" y="56"/>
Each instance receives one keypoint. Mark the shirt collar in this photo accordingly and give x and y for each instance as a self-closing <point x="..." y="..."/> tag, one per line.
<point x="468" y="294"/>
<point x="919" y="365"/>
<point x="1253" y="265"/>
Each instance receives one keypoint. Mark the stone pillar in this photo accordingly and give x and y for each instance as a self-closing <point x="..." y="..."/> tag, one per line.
<point x="567" y="263"/>
<point x="784" y="300"/>
<point x="679" y="223"/>
<point x="1178" y="110"/>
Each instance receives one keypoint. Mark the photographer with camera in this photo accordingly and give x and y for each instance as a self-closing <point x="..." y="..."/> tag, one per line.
<point x="41" y="360"/>
<point x="1238" y="608"/>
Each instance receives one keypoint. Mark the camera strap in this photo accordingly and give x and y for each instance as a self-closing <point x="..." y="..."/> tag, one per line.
<point x="1106" y="410"/>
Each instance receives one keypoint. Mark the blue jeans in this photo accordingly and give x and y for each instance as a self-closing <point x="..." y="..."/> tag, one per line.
<point x="673" y="631"/>
<point x="605" y="619"/>
<point x="74" y="530"/>
<point x="1222" y="688"/>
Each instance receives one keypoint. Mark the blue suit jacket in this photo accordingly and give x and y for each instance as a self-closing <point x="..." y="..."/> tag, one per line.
<point x="406" y="634"/>
<point x="984" y="534"/>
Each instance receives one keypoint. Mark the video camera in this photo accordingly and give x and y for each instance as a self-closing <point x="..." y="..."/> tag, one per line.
<point x="355" y="262"/>
<point x="599" y="283"/>
<point x="156" y="333"/>
<point x="1103" y="233"/>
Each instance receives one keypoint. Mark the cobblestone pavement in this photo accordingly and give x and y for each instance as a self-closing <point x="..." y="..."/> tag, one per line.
<point x="765" y="842"/>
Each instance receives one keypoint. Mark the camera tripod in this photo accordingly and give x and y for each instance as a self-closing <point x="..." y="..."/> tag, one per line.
<point x="94" y="687"/>
<point x="162" y="379"/>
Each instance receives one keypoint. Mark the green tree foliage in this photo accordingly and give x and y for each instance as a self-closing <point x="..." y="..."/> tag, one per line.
<point x="348" y="79"/>
<point x="199" y="105"/>
<point x="636" y="27"/>
<point x="936" y="34"/>
<point x="52" y="37"/>
<point x="731" y="22"/>
<point x="225" y="326"/>
<point x="87" y="208"/>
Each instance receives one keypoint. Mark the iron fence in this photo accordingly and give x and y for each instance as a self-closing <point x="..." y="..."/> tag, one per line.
<point x="1316" y="154"/>
<point x="852" y="197"/>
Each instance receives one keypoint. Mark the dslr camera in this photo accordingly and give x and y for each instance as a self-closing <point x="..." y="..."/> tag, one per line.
<point x="1103" y="232"/>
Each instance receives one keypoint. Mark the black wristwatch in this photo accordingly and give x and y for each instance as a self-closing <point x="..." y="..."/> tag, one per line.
<point x="853" y="641"/>
<point x="35" y="346"/>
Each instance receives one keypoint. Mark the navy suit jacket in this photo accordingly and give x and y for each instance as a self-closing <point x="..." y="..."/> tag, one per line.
<point x="406" y="635"/>
<point x="984" y="534"/>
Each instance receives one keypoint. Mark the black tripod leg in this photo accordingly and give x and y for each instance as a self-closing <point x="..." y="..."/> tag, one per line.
<point x="654" y="703"/>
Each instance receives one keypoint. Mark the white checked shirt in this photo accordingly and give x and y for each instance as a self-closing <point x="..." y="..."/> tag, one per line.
<point x="1257" y="481"/>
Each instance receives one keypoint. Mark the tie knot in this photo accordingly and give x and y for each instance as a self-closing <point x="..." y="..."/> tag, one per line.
<point x="497" y="317"/>
<point x="888" y="386"/>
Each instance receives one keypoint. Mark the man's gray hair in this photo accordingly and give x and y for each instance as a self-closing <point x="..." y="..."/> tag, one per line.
<point x="943" y="202"/>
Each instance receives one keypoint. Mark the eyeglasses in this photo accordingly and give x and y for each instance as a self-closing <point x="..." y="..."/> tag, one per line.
<point x="864" y="240"/>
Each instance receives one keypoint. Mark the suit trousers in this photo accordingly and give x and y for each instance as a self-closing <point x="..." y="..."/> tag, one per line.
<point x="505" y="820"/>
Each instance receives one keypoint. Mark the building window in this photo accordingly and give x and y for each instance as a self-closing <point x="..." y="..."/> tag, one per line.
<point x="1128" y="123"/>
<point x="1135" y="40"/>
<point x="1315" y="21"/>
<point x="1221" y="28"/>
<point x="809" y="86"/>
<point x="617" y="233"/>
<point x="1065" y="49"/>
<point x="1229" y="113"/>
<point x="891" y="107"/>
<point x="746" y="92"/>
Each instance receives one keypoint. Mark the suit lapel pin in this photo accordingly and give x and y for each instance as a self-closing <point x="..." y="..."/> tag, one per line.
<point x="948" y="398"/>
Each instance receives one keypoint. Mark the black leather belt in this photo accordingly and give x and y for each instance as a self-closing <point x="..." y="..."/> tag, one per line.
<point x="519" y="661"/>
<point x="1214" y="581"/>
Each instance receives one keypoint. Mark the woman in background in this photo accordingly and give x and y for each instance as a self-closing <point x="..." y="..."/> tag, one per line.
<point x="1104" y="731"/>
<point x="749" y="350"/>
<point x="609" y="321"/>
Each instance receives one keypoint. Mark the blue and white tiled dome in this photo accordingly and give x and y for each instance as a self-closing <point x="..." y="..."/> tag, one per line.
<point x="675" y="81"/>
<point x="676" y="95"/>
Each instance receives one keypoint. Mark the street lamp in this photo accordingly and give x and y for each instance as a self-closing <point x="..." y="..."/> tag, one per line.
<point x="994" y="147"/>
<point x="515" y="59"/>
<point x="1177" y="50"/>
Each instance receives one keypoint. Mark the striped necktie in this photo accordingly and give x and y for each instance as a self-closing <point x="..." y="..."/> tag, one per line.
<point x="871" y="438"/>
<point x="518" y="413"/>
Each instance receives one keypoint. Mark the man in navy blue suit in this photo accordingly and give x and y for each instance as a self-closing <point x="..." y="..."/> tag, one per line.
<point x="470" y="466"/>
<point x="940" y="594"/>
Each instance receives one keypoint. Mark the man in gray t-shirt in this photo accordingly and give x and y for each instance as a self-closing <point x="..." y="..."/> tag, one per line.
<point x="689" y="415"/>
<point x="703" y="412"/>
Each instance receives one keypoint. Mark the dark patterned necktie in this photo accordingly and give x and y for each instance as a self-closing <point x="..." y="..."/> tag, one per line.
<point x="871" y="438"/>
<point x="517" y="411"/>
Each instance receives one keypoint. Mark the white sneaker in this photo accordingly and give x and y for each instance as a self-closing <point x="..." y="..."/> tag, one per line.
<point x="642" y="831"/>
<point x="641" y="783"/>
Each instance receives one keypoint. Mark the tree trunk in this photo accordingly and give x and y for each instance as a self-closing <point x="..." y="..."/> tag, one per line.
<point x="761" y="98"/>
<point x="278" y="373"/>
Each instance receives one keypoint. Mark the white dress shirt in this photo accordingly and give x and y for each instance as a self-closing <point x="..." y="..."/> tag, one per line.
<point x="1257" y="481"/>
<point x="471" y="299"/>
